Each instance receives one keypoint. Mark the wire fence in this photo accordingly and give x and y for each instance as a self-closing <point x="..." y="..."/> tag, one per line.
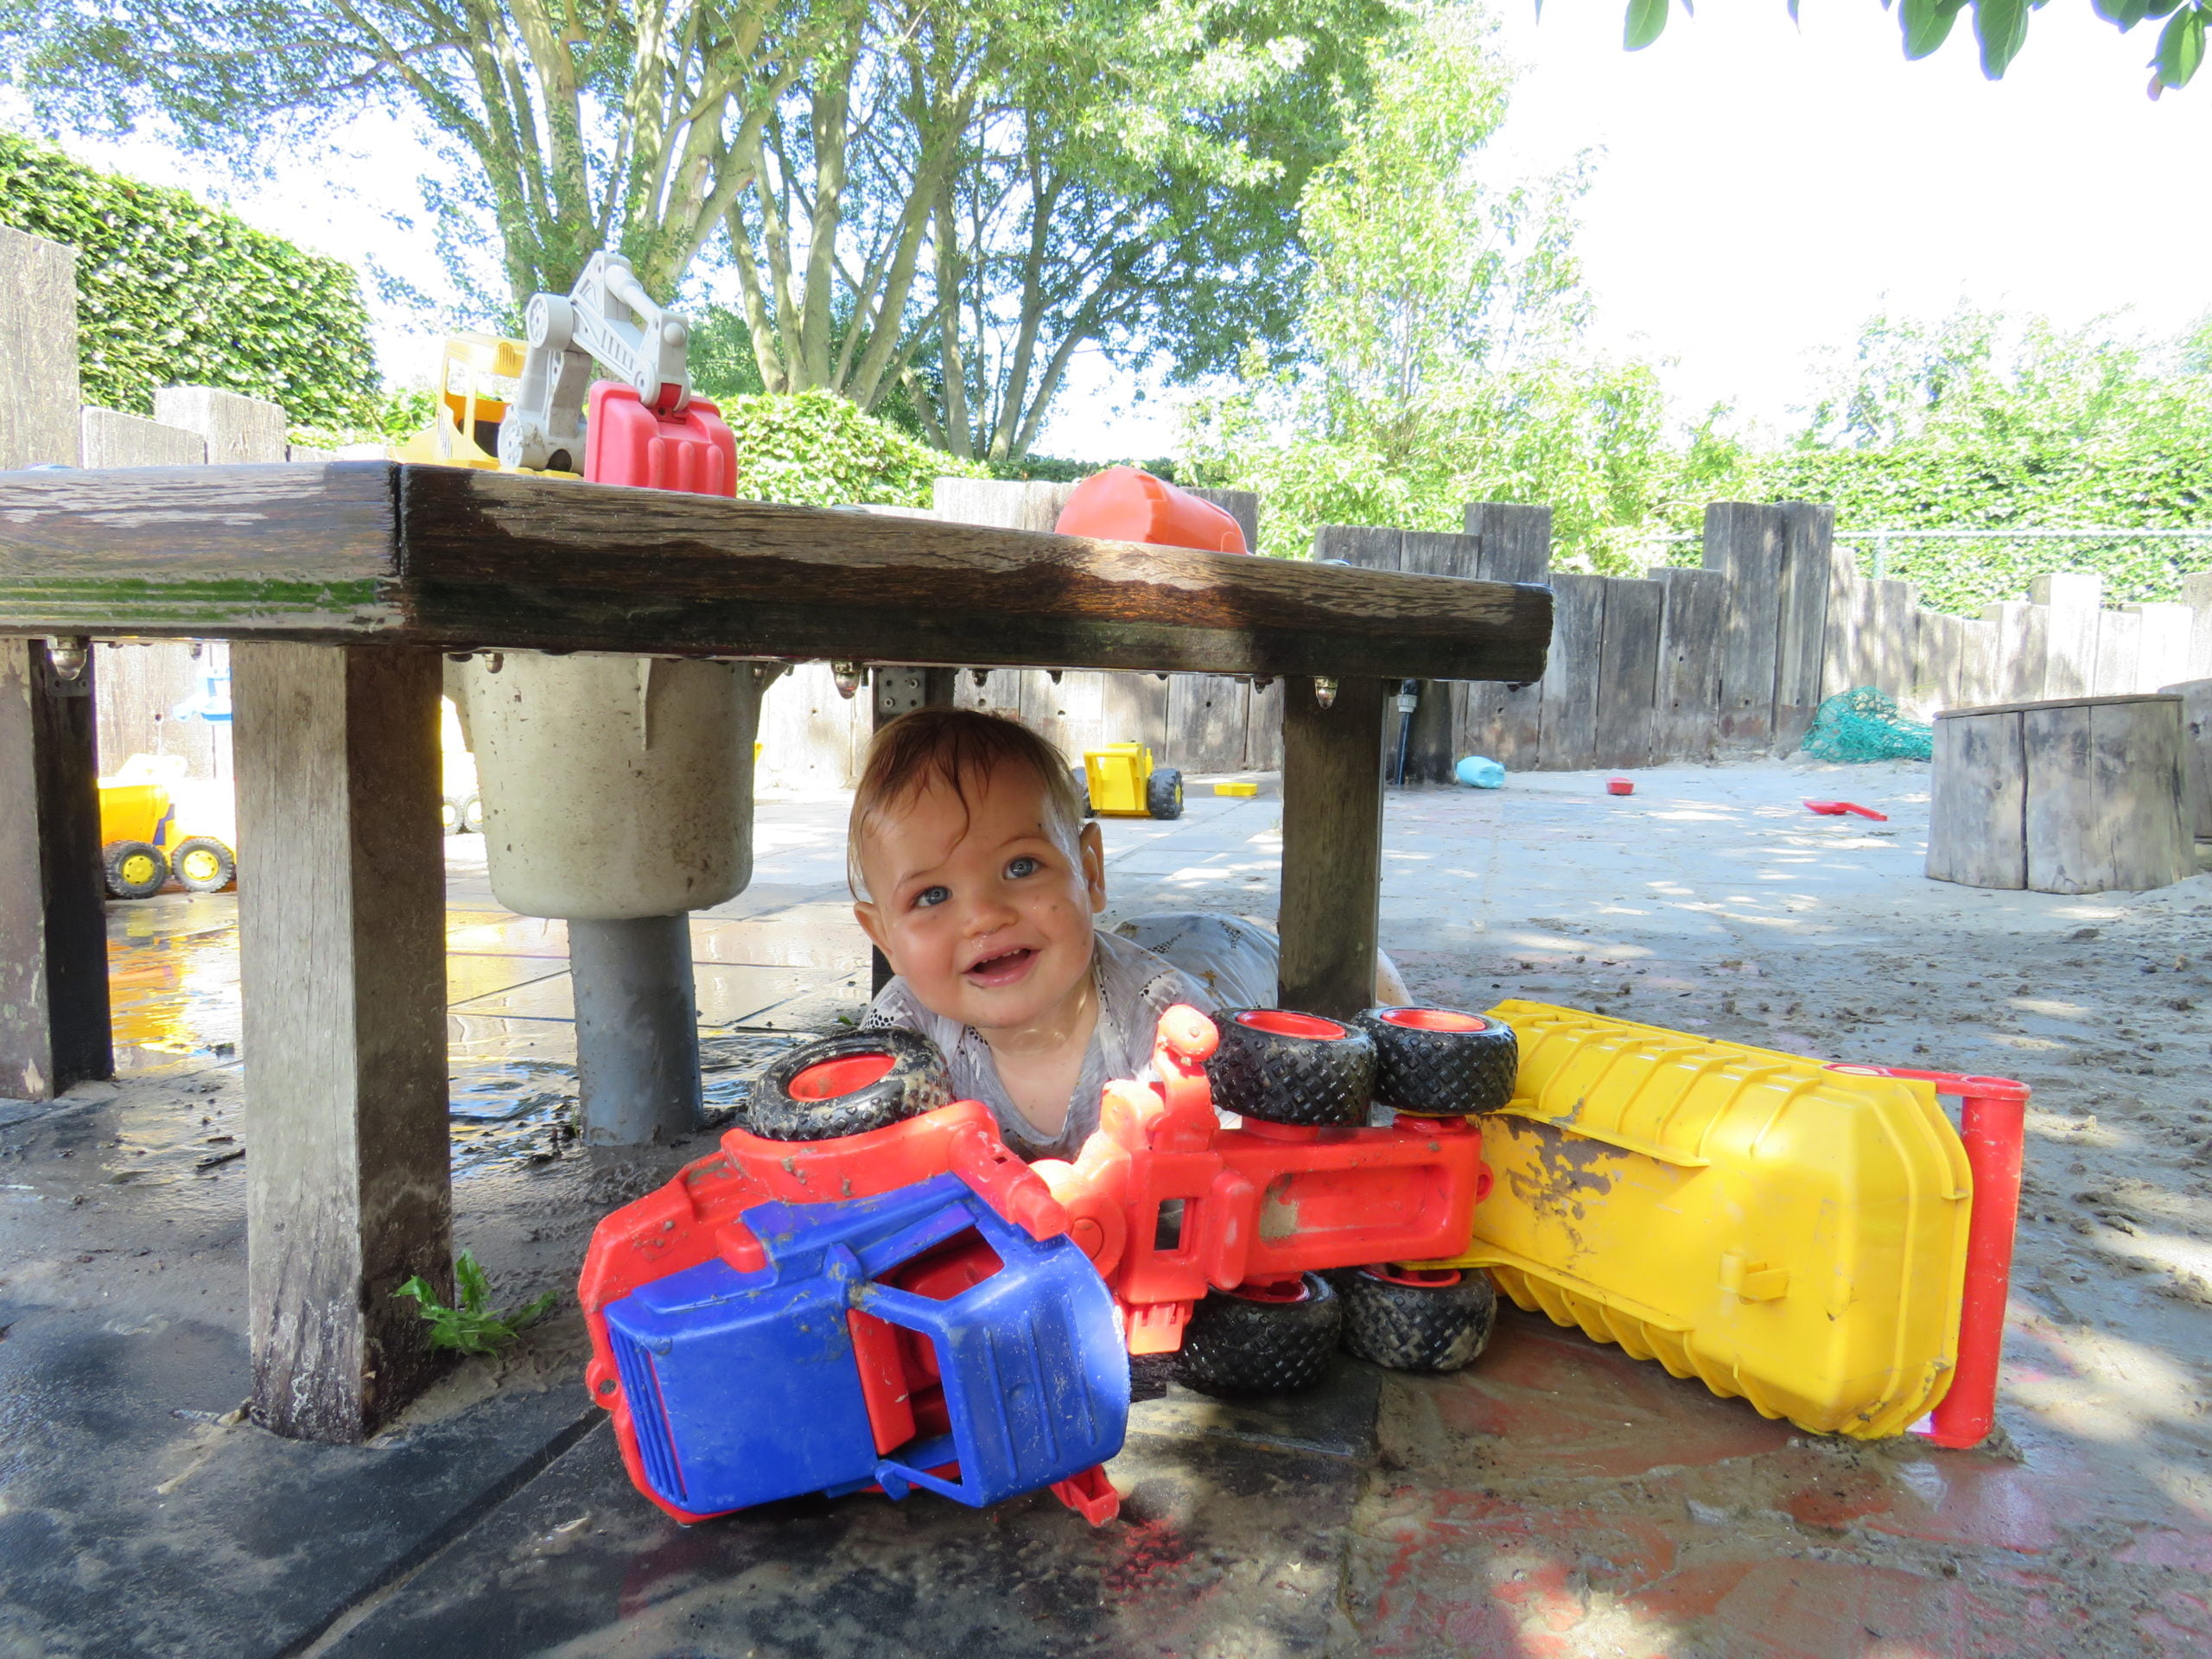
<point x="1882" y="540"/>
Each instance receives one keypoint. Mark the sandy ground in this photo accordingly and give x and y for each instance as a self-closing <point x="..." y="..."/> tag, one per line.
<point x="1710" y="901"/>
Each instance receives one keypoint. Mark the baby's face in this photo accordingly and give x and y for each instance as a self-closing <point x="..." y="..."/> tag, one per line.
<point x="980" y="906"/>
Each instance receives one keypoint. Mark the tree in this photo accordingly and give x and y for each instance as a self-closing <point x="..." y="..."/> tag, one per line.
<point x="1441" y="357"/>
<point x="958" y="201"/>
<point x="1982" y="421"/>
<point x="2000" y="28"/>
<point x="934" y="203"/>
<point x="572" y="125"/>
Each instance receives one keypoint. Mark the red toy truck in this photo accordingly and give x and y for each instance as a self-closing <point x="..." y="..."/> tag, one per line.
<point x="1212" y="1239"/>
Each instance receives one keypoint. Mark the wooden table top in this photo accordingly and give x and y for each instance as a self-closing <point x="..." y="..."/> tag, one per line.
<point x="382" y="553"/>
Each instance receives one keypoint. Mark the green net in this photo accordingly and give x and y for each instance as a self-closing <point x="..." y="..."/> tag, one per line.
<point x="1864" y="725"/>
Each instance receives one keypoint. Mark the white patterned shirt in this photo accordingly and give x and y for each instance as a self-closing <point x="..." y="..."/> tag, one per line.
<point x="1208" y="961"/>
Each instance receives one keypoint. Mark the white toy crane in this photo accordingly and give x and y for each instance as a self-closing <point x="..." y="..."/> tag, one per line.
<point x="609" y="317"/>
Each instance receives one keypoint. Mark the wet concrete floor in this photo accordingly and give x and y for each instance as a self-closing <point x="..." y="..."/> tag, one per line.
<point x="1557" y="1498"/>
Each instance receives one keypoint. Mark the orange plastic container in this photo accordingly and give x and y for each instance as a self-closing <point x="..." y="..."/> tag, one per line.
<point x="1124" y="504"/>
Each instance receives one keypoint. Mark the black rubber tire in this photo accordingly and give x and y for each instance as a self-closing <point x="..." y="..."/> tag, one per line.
<point x="449" y="814"/>
<point x="118" y="853"/>
<point x="1234" y="1345"/>
<point x="1418" y="1327"/>
<point x="183" y="864"/>
<point x="1163" y="793"/>
<point x="917" y="1082"/>
<point x="472" y="814"/>
<point x="1441" y="1073"/>
<point x="1322" y="1078"/>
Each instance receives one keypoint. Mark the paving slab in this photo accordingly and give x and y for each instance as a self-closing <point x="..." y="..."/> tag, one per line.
<point x="1225" y="1547"/>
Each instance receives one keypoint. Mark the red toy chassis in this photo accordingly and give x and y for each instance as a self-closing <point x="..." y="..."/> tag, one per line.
<point x="1165" y="1201"/>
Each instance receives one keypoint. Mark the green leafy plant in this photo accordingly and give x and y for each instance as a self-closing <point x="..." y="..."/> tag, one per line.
<point x="473" y="1327"/>
<point x="172" y="293"/>
<point x="813" y="448"/>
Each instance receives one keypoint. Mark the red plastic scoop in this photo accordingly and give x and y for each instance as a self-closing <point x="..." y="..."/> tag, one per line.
<point x="1837" y="809"/>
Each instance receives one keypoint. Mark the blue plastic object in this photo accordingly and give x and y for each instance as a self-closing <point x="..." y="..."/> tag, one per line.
<point x="745" y="1388"/>
<point x="1480" y="771"/>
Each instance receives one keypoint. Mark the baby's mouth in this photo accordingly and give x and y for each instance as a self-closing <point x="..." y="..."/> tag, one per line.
<point x="1001" y="969"/>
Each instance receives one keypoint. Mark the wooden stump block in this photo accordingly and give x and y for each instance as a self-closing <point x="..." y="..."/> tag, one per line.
<point x="1977" y="819"/>
<point x="2197" y="764"/>
<point x="2081" y="795"/>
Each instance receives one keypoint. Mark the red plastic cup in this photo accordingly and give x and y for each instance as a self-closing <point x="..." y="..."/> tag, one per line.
<point x="1619" y="786"/>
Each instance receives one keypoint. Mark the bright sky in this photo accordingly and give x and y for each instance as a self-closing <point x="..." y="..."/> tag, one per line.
<point x="1762" y="189"/>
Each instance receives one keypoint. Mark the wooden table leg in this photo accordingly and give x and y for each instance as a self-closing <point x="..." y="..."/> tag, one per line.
<point x="1332" y="845"/>
<point x="53" y="1009"/>
<point x="341" y="902"/>
<point x="899" y="688"/>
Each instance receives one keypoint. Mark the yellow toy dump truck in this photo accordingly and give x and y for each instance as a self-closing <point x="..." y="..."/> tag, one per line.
<point x="1121" y="781"/>
<point x="1814" y="1238"/>
<point x="156" y="824"/>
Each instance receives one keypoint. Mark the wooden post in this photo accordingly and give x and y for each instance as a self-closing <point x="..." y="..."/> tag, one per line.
<point x="899" y="689"/>
<point x="53" y="1003"/>
<point x="1570" y="683"/>
<point x="2162" y="655"/>
<point x="2196" y="730"/>
<point x="1977" y="817"/>
<point x="53" y="1006"/>
<point x="1811" y="566"/>
<point x="1628" y="672"/>
<point x="343" y="994"/>
<point x="2071" y="630"/>
<point x="2196" y="594"/>
<point x="1686" y="700"/>
<point x="2120" y="648"/>
<point x="238" y="431"/>
<point x="1504" y="721"/>
<point x="1437" y="717"/>
<point x="1744" y="540"/>
<point x="2021" y="629"/>
<point x="38" y="352"/>
<point x="1331" y="847"/>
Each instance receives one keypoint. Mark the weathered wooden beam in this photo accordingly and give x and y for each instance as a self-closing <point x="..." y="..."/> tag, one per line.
<point x="374" y="552"/>
<point x="343" y="993"/>
<point x="54" y="1004"/>
<point x="1331" y="847"/>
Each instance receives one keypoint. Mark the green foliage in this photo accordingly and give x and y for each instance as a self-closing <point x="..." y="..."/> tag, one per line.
<point x="172" y="293"/>
<point x="393" y="413"/>
<point x="1442" y="327"/>
<point x="2000" y="29"/>
<point x="473" y="1327"/>
<point x="1980" y="423"/>
<point x="813" y="448"/>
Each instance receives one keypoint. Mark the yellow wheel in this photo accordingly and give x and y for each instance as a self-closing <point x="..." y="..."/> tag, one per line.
<point x="136" y="869"/>
<point x="203" y="864"/>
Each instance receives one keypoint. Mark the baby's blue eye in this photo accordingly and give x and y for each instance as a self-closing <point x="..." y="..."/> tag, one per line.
<point x="1024" y="866"/>
<point x="929" y="896"/>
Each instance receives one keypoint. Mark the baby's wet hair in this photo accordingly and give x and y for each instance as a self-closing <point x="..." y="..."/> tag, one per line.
<point x="959" y="748"/>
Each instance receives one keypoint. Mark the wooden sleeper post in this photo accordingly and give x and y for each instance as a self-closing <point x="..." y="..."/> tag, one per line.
<point x="54" y="1004"/>
<point x="1329" y="920"/>
<point x="343" y="959"/>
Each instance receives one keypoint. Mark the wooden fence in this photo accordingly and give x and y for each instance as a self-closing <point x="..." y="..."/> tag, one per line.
<point x="1731" y="657"/>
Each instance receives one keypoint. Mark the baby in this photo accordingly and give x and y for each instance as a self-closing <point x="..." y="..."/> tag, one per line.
<point x="975" y="874"/>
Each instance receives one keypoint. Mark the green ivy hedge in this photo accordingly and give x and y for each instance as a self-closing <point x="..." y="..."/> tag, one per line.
<point x="2159" y="480"/>
<point x="813" y="448"/>
<point x="170" y="292"/>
